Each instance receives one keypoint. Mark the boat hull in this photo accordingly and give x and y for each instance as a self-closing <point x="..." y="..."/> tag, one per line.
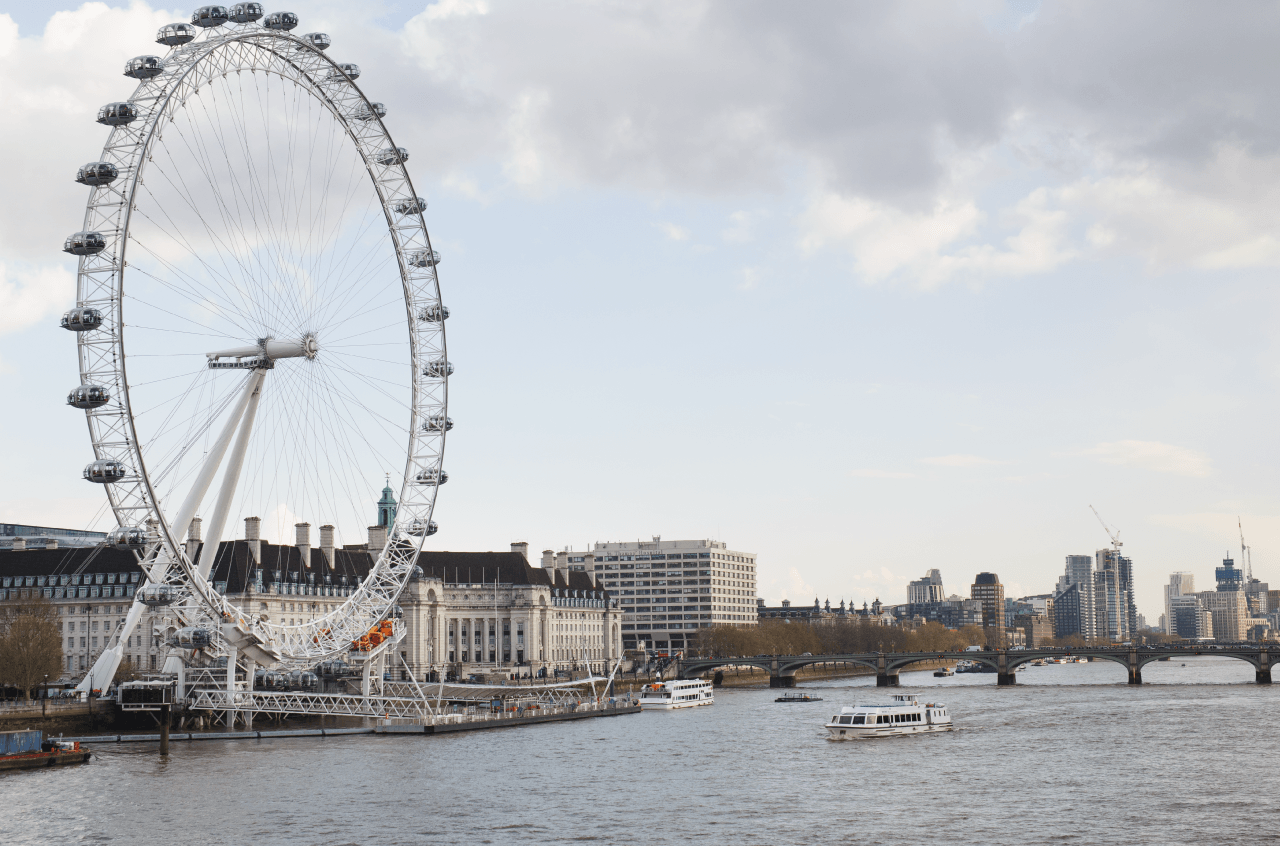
<point x="34" y="760"/>
<point x="870" y="732"/>
<point x="669" y="706"/>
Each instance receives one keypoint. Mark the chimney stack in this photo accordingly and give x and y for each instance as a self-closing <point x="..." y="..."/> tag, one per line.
<point x="193" y="538"/>
<point x="562" y="566"/>
<point x="522" y="548"/>
<point x="19" y="544"/>
<point x="590" y="558"/>
<point x="548" y="559"/>
<point x="252" y="535"/>
<point x="50" y="543"/>
<point x="326" y="544"/>
<point x="304" y="542"/>
<point x="377" y="539"/>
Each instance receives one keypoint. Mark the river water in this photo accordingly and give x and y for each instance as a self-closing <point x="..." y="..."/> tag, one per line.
<point x="1071" y="755"/>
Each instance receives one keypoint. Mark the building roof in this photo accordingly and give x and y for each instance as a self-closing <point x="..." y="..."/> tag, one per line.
<point x="986" y="579"/>
<point x="510" y="568"/>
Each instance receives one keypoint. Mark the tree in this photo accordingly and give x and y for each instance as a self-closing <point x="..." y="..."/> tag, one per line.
<point x="127" y="671"/>
<point x="30" y="643"/>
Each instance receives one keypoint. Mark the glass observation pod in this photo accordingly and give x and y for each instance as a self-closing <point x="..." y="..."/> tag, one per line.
<point x="371" y="111"/>
<point x="332" y="668"/>
<point x="97" y="173"/>
<point x="243" y="13"/>
<point x="346" y="70"/>
<point x="424" y="258"/>
<point x="88" y="396"/>
<point x="128" y="539"/>
<point x="117" y="114"/>
<point x="392" y="155"/>
<point x="417" y="574"/>
<point x="397" y="613"/>
<point x="82" y="319"/>
<point x="156" y="596"/>
<point x="418" y="527"/>
<point x="281" y="20"/>
<point x="318" y="40"/>
<point x="172" y="35"/>
<point x="438" y="369"/>
<point x="433" y="476"/>
<point x="434" y="314"/>
<point x="415" y="206"/>
<point x="104" y="471"/>
<point x="190" y="638"/>
<point x="207" y="16"/>
<point x="438" y="423"/>
<point x="143" y="67"/>
<point x="84" y="244"/>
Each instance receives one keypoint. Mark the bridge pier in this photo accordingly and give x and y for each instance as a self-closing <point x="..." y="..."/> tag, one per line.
<point x="718" y="679"/>
<point x="1006" y="679"/>
<point x="1135" y="675"/>
<point x="1263" y="676"/>
<point x="782" y="681"/>
<point x="886" y="679"/>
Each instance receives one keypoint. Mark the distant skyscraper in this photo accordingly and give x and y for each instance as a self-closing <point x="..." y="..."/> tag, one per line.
<point x="1112" y="597"/>
<point x="1180" y="584"/>
<point x="1229" y="577"/>
<point x="987" y="589"/>
<point x="1075" y="609"/>
<point x="926" y="590"/>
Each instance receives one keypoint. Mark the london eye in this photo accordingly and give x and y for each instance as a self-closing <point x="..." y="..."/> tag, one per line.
<point x="259" y="326"/>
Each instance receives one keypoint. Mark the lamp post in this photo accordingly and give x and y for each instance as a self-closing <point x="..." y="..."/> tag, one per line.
<point x="44" y="700"/>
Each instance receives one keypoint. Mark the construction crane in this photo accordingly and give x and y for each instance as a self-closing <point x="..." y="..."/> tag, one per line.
<point x="1114" y="534"/>
<point x="1246" y="553"/>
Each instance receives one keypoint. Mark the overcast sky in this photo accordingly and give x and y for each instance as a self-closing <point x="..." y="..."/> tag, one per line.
<point x="865" y="289"/>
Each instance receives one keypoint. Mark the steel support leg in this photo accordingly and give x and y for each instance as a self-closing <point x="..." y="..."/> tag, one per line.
<point x="232" y="478"/>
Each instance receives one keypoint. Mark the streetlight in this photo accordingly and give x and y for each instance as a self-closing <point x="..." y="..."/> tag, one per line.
<point x="44" y="701"/>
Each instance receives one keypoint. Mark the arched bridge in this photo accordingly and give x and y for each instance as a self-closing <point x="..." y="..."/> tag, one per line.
<point x="782" y="668"/>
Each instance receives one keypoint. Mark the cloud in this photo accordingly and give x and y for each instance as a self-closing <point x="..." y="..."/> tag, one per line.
<point x="29" y="295"/>
<point x="674" y="232"/>
<point x="960" y="461"/>
<point x="1152" y="455"/>
<point x="871" y="473"/>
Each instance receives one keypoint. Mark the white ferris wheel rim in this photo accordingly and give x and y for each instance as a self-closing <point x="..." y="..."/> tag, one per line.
<point x="103" y="356"/>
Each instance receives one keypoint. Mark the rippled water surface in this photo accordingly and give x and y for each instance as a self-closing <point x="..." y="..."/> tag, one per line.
<point x="1070" y="755"/>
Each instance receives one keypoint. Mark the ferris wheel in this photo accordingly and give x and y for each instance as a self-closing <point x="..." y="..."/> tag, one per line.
<point x="257" y="297"/>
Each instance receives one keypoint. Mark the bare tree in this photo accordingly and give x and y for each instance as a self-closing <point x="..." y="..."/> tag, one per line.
<point x="30" y="643"/>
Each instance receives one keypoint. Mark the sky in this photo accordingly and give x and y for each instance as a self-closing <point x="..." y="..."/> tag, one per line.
<point x="865" y="289"/>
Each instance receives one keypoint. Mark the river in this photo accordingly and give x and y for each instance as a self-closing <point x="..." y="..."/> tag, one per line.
<point x="1071" y="755"/>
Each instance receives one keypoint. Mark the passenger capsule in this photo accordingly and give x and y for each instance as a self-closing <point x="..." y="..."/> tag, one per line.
<point x="190" y="638"/>
<point x="424" y="258"/>
<point x="207" y="16"/>
<point x="346" y="70"/>
<point x="419" y="527"/>
<point x="127" y="539"/>
<point x="438" y="369"/>
<point x="157" y="595"/>
<point x="318" y="40"/>
<point x="84" y="244"/>
<point x="432" y="476"/>
<point x="172" y="35"/>
<point x="143" y="67"/>
<point x="416" y="574"/>
<point x="281" y="20"/>
<point x="117" y="114"/>
<point x="104" y="471"/>
<point x="391" y="156"/>
<point x="97" y="173"/>
<point x="438" y="423"/>
<point x="243" y="13"/>
<point x="434" y="314"/>
<point x="371" y="111"/>
<point x="82" y="319"/>
<point x="415" y="206"/>
<point x="397" y="613"/>
<point x="88" y="396"/>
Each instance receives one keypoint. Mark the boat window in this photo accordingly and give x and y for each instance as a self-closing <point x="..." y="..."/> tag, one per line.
<point x="858" y="720"/>
<point x="844" y="721"/>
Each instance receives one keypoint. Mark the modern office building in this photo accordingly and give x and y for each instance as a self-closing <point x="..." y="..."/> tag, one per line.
<point x="667" y="590"/>
<point x="1190" y="619"/>
<point x="1180" y="584"/>
<point x="1111" y="611"/>
<point x="1230" y="613"/>
<point x="986" y="588"/>
<point x="1037" y="629"/>
<point x="1075" y="610"/>
<point x="928" y="589"/>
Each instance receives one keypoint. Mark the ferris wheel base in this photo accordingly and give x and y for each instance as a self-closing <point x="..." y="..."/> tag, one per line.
<point x="104" y="670"/>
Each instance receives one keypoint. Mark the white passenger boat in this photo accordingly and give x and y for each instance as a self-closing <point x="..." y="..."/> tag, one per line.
<point x="667" y="696"/>
<point x="902" y="715"/>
